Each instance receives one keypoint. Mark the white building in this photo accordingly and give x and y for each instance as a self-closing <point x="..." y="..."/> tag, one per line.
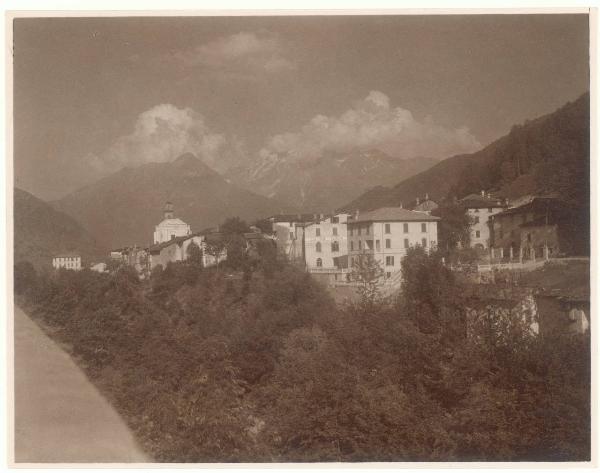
<point x="480" y="207"/>
<point x="325" y="241"/>
<point x="67" y="261"/>
<point x="388" y="233"/>
<point x="289" y="234"/>
<point x="170" y="227"/>
<point x="178" y="249"/>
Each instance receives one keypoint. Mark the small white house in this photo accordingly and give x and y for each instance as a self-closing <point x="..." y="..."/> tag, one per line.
<point x="67" y="261"/>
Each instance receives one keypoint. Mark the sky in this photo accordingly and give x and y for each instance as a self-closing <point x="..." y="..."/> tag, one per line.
<point x="92" y="95"/>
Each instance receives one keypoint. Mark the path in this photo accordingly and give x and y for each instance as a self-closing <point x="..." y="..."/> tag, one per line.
<point x="59" y="416"/>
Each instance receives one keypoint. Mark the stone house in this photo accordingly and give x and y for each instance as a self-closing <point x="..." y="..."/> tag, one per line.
<point x="480" y="208"/>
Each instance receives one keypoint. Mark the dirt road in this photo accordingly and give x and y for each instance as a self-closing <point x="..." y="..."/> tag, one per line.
<point x="59" y="415"/>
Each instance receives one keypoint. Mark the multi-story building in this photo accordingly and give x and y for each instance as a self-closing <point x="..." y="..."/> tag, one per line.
<point x="426" y="205"/>
<point x="480" y="207"/>
<point x="388" y="233"/>
<point x="67" y="261"/>
<point x="170" y="227"/>
<point x="288" y="230"/>
<point x="325" y="241"/>
<point x="538" y="228"/>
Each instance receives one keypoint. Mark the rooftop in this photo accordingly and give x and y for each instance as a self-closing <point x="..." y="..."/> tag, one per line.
<point x="478" y="201"/>
<point x="172" y="221"/>
<point x="537" y="203"/>
<point x="393" y="214"/>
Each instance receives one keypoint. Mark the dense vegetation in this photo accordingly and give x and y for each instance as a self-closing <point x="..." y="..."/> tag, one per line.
<point x="548" y="155"/>
<point x="260" y="365"/>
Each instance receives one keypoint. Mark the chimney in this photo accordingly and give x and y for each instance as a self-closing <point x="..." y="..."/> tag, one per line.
<point x="401" y="205"/>
<point x="356" y="214"/>
<point x="418" y="201"/>
<point x="482" y="193"/>
<point x="426" y="196"/>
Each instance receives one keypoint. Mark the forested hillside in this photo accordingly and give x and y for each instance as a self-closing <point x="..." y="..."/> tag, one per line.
<point x="548" y="155"/>
<point x="40" y="232"/>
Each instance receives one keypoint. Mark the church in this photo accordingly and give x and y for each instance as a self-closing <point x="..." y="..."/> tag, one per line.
<point x="170" y="227"/>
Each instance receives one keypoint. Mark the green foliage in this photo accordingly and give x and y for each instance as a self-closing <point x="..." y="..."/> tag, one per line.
<point x="454" y="228"/>
<point x="367" y="271"/>
<point x="264" y="367"/>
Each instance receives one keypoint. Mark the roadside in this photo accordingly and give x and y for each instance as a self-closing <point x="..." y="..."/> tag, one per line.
<point x="59" y="416"/>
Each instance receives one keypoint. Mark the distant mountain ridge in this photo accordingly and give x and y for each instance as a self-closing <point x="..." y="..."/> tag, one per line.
<point x="123" y="208"/>
<point x="326" y="182"/>
<point x="41" y="232"/>
<point x="548" y="155"/>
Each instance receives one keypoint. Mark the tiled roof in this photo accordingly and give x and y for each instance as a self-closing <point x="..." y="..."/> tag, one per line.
<point x="176" y="240"/>
<point x="294" y="217"/>
<point x="172" y="221"/>
<point x="538" y="203"/>
<point x="478" y="201"/>
<point x="393" y="214"/>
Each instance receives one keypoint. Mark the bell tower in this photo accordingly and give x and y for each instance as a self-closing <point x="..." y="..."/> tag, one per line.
<point x="169" y="212"/>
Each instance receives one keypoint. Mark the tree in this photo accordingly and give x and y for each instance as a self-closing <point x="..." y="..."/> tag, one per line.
<point x="428" y="289"/>
<point x="367" y="271"/>
<point x="235" y="226"/>
<point x="215" y="247"/>
<point x="454" y="227"/>
<point x="194" y="254"/>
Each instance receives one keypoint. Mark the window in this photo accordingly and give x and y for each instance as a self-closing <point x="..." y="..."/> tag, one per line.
<point x="368" y="244"/>
<point x="318" y="247"/>
<point x="367" y="230"/>
<point x="388" y="275"/>
<point x="476" y="219"/>
<point x="334" y="231"/>
<point x="387" y="228"/>
<point x="351" y="246"/>
<point x="501" y="234"/>
<point x="350" y="231"/>
<point x="490" y="210"/>
<point x="360" y="244"/>
<point x="389" y="261"/>
<point x="291" y="235"/>
<point x="291" y="224"/>
<point x="477" y="234"/>
<point x="388" y="243"/>
<point x="319" y="262"/>
<point x="424" y="242"/>
<point x="423" y="228"/>
<point x="318" y="231"/>
<point x="335" y="246"/>
<point x="359" y="230"/>
<point x="406" y="228"/>
<point x="172" y="237"/>
<point x="476" y="211"/>
<point x="335" y="219"/>
<point x="406" y="243"/>
<point x="377" y="245"/>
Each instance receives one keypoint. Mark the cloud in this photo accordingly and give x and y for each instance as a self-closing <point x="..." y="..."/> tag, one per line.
<point x="370" y="124"/>
<point x="161" y="134"/>
<point x="239" y="53"/>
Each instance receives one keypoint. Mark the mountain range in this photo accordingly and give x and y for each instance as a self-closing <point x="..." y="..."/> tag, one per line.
<point x="549" y="155"/>
<point x="123" y="208"/>
<point x="328" y="181"/>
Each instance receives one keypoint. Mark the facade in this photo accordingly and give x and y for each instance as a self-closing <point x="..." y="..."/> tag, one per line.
<point x="531" y="230"/>
<point x="170" y="227"/>
<point x="480" y="207"/>
<point x="388" y="233"/>
<point x="133" y="256"/>
<point x="177" y="249"/>
<point x="67" y="261"/>
<point x="325" y="241"/>
<point x="99" y="267"/>
<point x="289" y="234"/>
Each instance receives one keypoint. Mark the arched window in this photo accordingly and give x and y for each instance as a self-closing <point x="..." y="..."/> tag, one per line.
<point x="319" y="263"/>
<point x="318" y="247"/>
<point x="335" y="246"/>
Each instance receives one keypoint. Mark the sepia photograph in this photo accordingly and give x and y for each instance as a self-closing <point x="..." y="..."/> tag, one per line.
<point x="300" y="238"/>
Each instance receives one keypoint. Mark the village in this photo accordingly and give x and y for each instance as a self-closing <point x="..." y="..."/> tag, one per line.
<point x="507" y="237"/>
